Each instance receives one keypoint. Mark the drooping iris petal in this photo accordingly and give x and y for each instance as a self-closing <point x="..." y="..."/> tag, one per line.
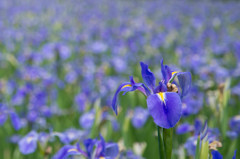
<point x="123" y="87"/>
<point x="128" y="87"/>
<point x="28" y="144"/>
<point x="185" y="81"/>
<point x="165" y="108"/>
<point x="148" y="76"/>
<point x="139" y="86"/>
<point x="216" y="154"/>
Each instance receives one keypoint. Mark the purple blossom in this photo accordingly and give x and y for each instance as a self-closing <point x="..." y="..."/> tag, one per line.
<point x="28" y="144"/>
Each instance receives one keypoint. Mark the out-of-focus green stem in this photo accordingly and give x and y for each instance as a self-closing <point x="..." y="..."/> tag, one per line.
<point x="167" y="139"/>
<point x="160" y="144"/>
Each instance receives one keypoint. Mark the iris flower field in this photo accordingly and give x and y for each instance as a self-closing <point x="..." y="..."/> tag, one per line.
<point x="130" y="79"/>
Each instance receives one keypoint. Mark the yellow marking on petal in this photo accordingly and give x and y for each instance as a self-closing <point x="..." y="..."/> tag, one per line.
<point x="102" y="158"/>
<point x="72" y="150"/>
<point x="127" y="85"/>
<point x="173" y="73"/>
<point x="161" y="96"/>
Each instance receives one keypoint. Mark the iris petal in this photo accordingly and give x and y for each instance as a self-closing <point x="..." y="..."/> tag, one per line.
<point x="128" y="87"/>
<point x="234" y="156"/>
<point x="28" y="144"/>
<point x="216" y="155"/>
<point x="122" y="87"/>
<point x="166" y="72"/>
<point x="166" y="113"/>
<point x="16" y="121"/>
<point x="184" y="128"/>
<point x="185" y="81"/>
<point x="111" y="150"/>
<point x="148" y="76"/>
<point x="66" y="151"/>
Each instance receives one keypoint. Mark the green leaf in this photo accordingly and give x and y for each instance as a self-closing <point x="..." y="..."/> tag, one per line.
<point x="197" y="154"/>
<point x="95" y="127"/>
<point x="204" y="150"/>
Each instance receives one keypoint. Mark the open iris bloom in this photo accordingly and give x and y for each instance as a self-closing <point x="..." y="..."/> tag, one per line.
<point x="164" y="100"/>
<point x="94" y="148"/>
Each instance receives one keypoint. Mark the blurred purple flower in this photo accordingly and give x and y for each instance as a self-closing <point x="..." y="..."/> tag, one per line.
<point x="28" y="144"/>
<point x="140" y="117"/>
<point x="93" y="149"/>
<point x="234" y="123"/>
<point x="87" y="119"/>
<point x="184" y="128"/>
<point x="15" y="120"/>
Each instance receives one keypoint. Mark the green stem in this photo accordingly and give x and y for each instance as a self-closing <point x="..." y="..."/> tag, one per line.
<point x="167" y="139"/>
<point x="160" y="144"/>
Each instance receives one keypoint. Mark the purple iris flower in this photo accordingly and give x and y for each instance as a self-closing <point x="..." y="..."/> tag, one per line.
<point x="3" y="114"/>
<point x="140" y="117"/>
<point x="16" y="121"/>
<point x="235" y="153"/>
<point x="66" y="151"/>
<point x="94" y="148"/>
<point x="43" y="138"/>
<point x="81" y="101"/>
<point x="191" y="145"/>
<point x="235" y="124"/>
<point x="207" y="134"/>
<point x="71" y="77"/>
<point x="163" y="101"/>
<point x="217" y="155"/>
<point x="69" y="135"/>
<point x="192" y="103"/>
<point x="232" y="134"/>
<point x="28" y="144"/>
<point x="15" y="138"/>
<point x="184" y="128"/>
<point x="129" y="155"/>
<point x="64" y="51"/>
<point x="87" y="119"/>
<point x="99" y="47"/>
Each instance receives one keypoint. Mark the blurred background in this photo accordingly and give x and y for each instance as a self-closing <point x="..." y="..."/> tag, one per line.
<point x="62" y="61"/>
